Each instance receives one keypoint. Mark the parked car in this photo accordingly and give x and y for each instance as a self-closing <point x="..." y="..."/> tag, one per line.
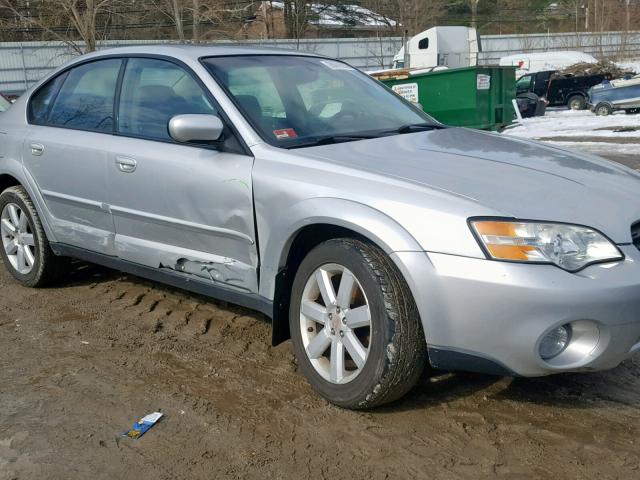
<point x="376" y="238"/>
<point x="558" y="89"/>
<point x="4" y="103"/>
<point x="608" y="97"/>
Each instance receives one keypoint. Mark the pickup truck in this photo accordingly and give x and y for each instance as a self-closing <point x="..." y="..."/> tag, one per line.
<point x="559" y="89"/>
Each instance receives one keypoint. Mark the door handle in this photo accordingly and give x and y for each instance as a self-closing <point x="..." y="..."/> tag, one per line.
<point x="37" y="149"/>
<point x="126" y="164"/>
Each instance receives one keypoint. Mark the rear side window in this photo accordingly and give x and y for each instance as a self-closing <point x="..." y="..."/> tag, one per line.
<point x="154" y="91"/>
<point x="86" y="98"/>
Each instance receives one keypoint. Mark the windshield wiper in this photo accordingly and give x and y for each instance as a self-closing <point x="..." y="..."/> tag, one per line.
<point x="417" y="127"/>
<point x="331" y="139"/>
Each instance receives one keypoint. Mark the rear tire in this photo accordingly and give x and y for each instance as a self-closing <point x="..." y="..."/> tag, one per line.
<point x="603" y="109"/>
<point x="577" y="102"/>
<point x="391" y="349"/>
<point x="632" y="111"/>
<point x="24" y="247"/>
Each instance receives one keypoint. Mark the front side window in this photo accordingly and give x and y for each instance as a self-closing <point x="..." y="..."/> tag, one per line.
<point x="154" y="91"/>
<point x="523" y="83"/>
<point x="293" y="99"/>
<point x="85" y="100"/>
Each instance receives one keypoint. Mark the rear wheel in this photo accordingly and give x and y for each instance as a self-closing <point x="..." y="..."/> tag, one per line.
<point x="631" y="111"/>
<point x="577" y="102"/>
<point x="603" y="109"/>
<point x="25" y="250"/>
<point x="355" y="328"/>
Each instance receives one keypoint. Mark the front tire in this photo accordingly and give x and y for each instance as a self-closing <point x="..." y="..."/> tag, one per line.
<point x="24" y="247"/>
<point x="355" y="327"/>
<point x="603" y="109"/>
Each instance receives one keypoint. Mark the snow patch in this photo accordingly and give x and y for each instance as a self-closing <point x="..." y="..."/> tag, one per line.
<point x="592" y="133"/>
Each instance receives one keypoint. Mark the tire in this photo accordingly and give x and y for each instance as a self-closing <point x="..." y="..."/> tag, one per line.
<point x="632" y="111"/>
<point x="603" y="109"/>
<point x="40" y="266"/>
<point x="577" y="102"/>
<point x="396" y="351"/>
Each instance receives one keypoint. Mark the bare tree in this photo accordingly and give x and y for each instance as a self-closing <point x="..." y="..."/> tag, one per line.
<point x="174" y="10"/>
<point x="79" y="15"/>
<point x="412" y="15"/>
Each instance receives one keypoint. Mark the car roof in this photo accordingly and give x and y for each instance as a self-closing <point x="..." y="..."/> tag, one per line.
<point x="194" y="52"/>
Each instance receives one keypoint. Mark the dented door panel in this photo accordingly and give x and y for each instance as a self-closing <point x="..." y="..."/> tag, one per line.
<point x="187" y="209"/>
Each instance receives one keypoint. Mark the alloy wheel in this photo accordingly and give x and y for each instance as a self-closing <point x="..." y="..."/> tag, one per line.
<point x="17" y="238"/>
<point x="335" y="323"/>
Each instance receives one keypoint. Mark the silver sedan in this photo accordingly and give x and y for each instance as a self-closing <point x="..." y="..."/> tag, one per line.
<point x="377" y="239"/>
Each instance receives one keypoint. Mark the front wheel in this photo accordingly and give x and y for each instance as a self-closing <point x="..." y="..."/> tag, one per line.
<point x="603" y="109"/>
<point x="354" y="324"/>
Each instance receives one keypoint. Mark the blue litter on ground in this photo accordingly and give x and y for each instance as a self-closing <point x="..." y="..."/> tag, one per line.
<point x="141" y="426"/>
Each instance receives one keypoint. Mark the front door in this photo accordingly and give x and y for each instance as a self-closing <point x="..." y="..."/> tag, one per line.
<point x="182" y="207"/>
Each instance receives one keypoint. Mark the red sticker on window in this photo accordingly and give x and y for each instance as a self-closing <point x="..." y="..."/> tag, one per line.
<point x="285" y="134"/>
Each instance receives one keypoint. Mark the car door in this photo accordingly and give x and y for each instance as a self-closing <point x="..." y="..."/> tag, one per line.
<point x="71" y="118"/>
<point x="183" y="207"/>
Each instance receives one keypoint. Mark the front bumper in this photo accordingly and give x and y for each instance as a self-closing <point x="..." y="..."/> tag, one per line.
<point x="497" y="312"/>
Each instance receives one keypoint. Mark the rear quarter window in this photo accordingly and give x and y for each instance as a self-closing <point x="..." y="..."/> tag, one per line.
<point x="41" y="101"/>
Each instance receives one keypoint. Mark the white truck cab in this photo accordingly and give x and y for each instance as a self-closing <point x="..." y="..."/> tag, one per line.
<point x="451" y="47"/>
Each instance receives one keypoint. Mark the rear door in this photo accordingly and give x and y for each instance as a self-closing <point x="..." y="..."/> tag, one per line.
<point x="182" y="207"/>
<point x="71" y="119"/>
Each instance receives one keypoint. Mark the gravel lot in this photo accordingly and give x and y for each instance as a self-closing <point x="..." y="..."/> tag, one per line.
<point x="80" y="362"/>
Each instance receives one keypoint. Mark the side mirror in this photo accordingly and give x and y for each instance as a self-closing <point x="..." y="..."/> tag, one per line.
<point x="195" y="128"/>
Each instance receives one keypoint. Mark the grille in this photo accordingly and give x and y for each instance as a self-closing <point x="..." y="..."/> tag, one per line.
<point x="635" y="234"/>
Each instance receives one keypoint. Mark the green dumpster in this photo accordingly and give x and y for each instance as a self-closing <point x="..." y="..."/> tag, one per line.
<point x="475" y="97"/>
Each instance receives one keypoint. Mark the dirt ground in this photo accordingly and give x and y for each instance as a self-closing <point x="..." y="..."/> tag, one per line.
<point x="81" y="362"/>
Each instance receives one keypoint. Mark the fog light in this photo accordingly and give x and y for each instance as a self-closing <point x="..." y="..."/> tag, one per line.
<point x="555" y="342"/>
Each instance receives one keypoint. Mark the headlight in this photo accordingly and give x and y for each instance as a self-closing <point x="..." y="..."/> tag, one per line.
<point x="570" y="247"/>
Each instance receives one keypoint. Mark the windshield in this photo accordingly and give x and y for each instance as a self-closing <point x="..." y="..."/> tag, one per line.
<point x="292" y="100"/>
<point x="4" y="104"/>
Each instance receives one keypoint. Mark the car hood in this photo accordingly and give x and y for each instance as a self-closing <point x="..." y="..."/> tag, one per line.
<point x="518" y="178"/>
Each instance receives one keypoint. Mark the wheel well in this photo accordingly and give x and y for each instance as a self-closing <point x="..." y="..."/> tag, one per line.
<point x="7" y="181"/>
<point x="305" y="240"/>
